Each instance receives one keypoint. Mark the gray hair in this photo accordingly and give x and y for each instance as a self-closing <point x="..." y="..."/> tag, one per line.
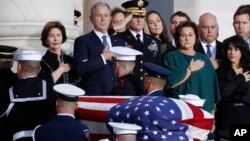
<point x="93" y="8"/>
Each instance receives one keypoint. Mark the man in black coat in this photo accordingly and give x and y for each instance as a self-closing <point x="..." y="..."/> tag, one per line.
<point x="135" y="38"/>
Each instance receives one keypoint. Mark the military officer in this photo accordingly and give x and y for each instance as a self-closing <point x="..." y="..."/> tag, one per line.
<point x="64" y="126"/>
<point x="135" y="38"/>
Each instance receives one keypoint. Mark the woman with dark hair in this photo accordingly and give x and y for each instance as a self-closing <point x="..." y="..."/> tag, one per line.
<point x="118" y="15"/>
<point x="233" y="76"/>
<point x="192" y="72"/>
<point x="56" y="67"/>
<point x="119" y="21"/>
<point x="158" y="28"/>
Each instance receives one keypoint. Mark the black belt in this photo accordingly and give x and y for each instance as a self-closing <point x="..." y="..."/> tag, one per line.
<point x="234" y="104"/>
<point x="239" y="104"/>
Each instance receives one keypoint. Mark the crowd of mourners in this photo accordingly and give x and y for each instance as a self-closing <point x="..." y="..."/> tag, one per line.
<point x="128" y="53"/>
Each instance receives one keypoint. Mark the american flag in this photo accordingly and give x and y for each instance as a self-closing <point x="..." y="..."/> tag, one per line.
<point x="162" y="119"/>
<point x="92" y="111"/>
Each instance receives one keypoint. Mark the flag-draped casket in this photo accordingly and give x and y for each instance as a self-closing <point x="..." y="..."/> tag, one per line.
<point x="161" y="118"/>
<point x="93" y="110"/>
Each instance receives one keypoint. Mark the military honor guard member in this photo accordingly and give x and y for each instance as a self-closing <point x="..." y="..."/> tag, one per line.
<point x="155" y="79"/>
<point x="163" y="118"/>
<point x="124" y="131"/>
<point x="30" y="101"/>
<point x="64" y="127"/>
<point x="124" y="66"/>
<point x="7" y="79"/>
<point x="137" y="39"/>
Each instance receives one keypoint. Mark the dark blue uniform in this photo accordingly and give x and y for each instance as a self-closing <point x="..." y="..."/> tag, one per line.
<point x="62" y="128"/>
<point x="159" y="72"/>
<point x="7" y="79"/>
<point x="28" y="103"/>
<point x="150" y="49"/>
<point x="126" y="86"/>
<point x="157" y="93"/>
<point x="97" y="78"/>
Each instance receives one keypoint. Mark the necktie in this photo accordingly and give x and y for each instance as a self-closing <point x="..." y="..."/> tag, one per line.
<point x="104" y="41"/>
<point x="140" y="44"/>
<point x="209" y="53"/>
<point x="138" y="38"/>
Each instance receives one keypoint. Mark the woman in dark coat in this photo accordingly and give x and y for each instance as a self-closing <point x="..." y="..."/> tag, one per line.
<point x="56" y="67"/>
<point x="234" y="85"/>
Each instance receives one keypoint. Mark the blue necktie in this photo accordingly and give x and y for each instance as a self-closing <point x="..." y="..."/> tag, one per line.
<point x="209" y="53"/>
<point x="104" y="41"/>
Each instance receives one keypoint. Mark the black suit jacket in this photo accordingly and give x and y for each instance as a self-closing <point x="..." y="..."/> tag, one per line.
<point x="219" y="50"/>
<point x="97" y="78"/>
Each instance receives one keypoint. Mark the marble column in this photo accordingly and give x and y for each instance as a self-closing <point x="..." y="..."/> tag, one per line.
<point x="21" y="22"/>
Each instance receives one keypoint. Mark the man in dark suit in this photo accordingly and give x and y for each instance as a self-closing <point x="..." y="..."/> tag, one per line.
<point x="64" y="127"/>
<point x="241" y="23"/>
<point x="30" y="101"/>
<point x="93" y="60"/>
<point x="208" y="32"/>
<point x="135" y="38"/>
<point x="155" y="79"/>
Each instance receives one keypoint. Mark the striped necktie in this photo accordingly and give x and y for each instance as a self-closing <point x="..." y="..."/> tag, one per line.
<point x="104" y="41"/>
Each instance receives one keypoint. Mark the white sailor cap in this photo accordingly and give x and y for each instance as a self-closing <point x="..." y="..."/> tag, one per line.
<point x="27" y="54"/>
<point x="103" y="140"/>
<point x="124" y="128"/>
<point x="68" y="92"/>
<point x="193" y="99"/>
<point x="125" y="53"/>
